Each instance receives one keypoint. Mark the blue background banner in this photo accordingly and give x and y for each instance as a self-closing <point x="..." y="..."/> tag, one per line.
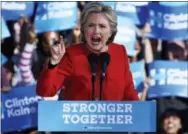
<point x="168" y="22"/>
<point x="169" y="78"/>
<point x="56" y="16"/>
<point x="137" y="11"/>
<point x="19" y="109"/>
<point x="88" y="116"/>
<point x="5" y="32"/>
<point x="138" y="73"/>
<point x="126" y="34"/>
<point x="13" y="10"/>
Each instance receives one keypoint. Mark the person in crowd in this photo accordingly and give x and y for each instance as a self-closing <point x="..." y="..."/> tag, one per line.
<point x="70" y="67"/>
<point x="22" y="57"/>
<point x="171" y="122"/>
<point x="74" y="36"/>
<point x="177" y="51"/>
<point x="42" y="53"/>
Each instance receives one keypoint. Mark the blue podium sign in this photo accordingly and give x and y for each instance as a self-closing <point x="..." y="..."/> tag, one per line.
<point x="55" y="16"/>
<point x="97" y="116"/>
<point x="168" y="78"/>
<point x="168" y="21"/>
<point x="19" y="109"/>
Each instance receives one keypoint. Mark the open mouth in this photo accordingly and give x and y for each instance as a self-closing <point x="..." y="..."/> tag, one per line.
<point x="96" y="39"/>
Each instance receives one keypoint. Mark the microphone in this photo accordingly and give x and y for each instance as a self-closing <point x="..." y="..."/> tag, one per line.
<point x="104" y="59"/>
<point x="93" y="60"/>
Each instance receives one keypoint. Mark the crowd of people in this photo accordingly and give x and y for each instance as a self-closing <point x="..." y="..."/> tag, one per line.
<point x="27" y="53"/>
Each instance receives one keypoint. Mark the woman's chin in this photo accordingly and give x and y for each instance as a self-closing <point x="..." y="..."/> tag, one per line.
<point x="94" y="49"/>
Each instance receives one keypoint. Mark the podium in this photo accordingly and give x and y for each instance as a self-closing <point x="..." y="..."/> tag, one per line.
<point x="97" y="116"/>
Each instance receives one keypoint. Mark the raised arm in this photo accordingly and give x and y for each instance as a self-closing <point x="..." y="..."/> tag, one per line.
<point x="55" y="71"/>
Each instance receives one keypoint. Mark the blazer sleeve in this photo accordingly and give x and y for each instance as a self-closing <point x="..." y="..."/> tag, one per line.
<point x="130" y="92"/>
<point x="51" y="80"/>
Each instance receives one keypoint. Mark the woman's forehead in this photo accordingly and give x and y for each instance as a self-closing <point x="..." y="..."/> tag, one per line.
<point x="97" y="17"/>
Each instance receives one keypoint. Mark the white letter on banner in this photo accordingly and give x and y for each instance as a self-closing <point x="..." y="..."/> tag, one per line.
<point x="119" y="119"/>
<point x="13" y="5"/>
<point x="128" y="108"/>
<point x="65" y="118"/>
<point x="101" y="108"/>
<point x="128" y="119"/>
<point x="93" y="119"/>
<point x="101" y="119"/>
<point x="66" y="107"/>
<point x="10" y="113"/>
<point x="84" y="119"/>
<point x="83" y="108"/>
<point x="75" y="119"/>
<point x="111" y="119"/>
<point x="24" y="111"/>
<point x="8" y="103"/>
<point x="152" y="74"/>
<point x="111" y="108"/>
<point x="74" y="107"/>
<point x="18" y="112"/>
<point x="120" y="108"/>
<point x="92" y="108"/>
<point x="162" y="72"/>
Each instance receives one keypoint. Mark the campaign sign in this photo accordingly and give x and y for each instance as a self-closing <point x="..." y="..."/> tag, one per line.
<point x="56" y="16"/>
<point x="168" y="78"/>
<point x="5" y="31"/>
<point x="168" y="22"/>
<point x="97" y="116"/>
<point x="126" y="34"/>
<point x="19" y="109"/>
<point x="13" y="10"/>
<point x="138" y="73"/>
<point x="137" y="11"/>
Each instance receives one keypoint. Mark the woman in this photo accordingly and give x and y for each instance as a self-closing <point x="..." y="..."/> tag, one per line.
<point x="171" y="122"/>
<point x="70" y="68"/>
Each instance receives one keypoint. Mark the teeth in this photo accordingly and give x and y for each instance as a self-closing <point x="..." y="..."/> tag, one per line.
<point x="170" y="125"/>
<point x="96" y="39"/>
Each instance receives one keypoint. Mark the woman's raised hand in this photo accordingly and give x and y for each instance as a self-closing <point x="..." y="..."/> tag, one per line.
<point x="57" y="51"/>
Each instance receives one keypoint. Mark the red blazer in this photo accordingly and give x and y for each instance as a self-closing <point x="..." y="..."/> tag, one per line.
<point x="75" y="74"/>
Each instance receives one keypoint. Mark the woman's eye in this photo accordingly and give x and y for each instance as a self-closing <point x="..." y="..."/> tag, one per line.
<point x="90" y="25"/>
<point x="102" y="26"/>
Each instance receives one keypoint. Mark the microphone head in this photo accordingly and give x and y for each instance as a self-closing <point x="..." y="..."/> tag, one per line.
<point x="93" y="60"/>
<point x="105" y="58"/>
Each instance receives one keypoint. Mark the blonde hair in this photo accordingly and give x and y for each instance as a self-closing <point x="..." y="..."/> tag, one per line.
<point x="98" y="7"/>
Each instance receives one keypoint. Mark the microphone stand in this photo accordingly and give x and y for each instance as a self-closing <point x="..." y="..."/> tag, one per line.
<point x="93" y="77"/>
<point x="101" y="84"/>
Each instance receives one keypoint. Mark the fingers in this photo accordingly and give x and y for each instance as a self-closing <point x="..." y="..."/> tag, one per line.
<point x="62" y="44"/>
<point x="57" y="52"/>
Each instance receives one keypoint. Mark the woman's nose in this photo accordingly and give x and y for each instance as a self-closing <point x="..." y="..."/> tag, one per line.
<point x="96" y="29"/>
